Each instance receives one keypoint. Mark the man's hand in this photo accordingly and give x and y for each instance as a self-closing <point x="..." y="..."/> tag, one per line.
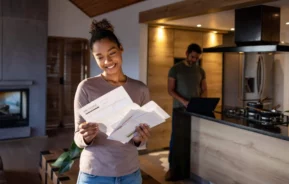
<point x="185" y="103"/>
<point x="143" y="134"/>
<point x="88" y="131"/>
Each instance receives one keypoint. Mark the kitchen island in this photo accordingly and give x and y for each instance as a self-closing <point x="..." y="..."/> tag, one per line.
<point x="227" y="150"/>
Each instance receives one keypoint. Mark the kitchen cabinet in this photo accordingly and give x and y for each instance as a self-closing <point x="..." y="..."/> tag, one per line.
<point x="67" y="65"/>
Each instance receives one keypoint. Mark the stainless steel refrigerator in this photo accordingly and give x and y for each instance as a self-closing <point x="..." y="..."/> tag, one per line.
<point x="248" y="77"/>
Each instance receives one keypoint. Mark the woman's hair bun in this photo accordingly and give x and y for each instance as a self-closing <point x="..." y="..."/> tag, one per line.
<point x="100" y="26"/>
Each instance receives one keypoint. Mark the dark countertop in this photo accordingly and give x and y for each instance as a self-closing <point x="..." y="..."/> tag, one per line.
<point x="277" y="131"/>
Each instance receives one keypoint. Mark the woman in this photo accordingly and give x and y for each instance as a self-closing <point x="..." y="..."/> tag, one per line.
<point x="102" y="160"/>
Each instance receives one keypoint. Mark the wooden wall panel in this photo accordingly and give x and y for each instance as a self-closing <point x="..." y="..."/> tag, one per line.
<point x="213" y="66"/>
<point x="184" y="38"/>
<point x="227" y="155"/>
<point x="160" y="59"/>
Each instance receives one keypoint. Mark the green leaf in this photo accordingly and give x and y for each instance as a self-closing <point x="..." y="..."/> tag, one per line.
<point x="74" y="151"/>
<point x="61" y="158"/>
<point x="287" y="111"/>
<point x="66" y="165"/>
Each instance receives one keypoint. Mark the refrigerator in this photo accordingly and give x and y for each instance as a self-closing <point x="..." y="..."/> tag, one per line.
<point x="248" y="77"/>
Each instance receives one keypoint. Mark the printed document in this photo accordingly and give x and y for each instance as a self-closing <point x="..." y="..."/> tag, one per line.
<point x="118" y="116"/>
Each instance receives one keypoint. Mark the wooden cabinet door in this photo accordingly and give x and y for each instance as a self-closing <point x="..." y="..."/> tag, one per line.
<point x="54" y="69"/>
<point x="67" y="65"/>
<point x="74" y="73"/>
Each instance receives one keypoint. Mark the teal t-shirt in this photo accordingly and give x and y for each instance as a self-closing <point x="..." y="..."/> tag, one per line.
<point x="188" y="81"/>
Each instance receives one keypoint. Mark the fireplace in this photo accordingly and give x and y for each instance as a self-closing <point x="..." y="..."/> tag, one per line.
<point x="14" y="110"/>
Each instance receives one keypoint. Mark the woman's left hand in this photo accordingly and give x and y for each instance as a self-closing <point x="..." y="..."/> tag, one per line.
<point x="143" y="133"/>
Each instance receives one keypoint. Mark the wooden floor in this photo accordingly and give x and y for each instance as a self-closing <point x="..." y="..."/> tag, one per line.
<point x="21" y="157"/>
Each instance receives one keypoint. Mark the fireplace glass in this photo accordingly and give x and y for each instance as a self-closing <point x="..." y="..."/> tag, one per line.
<point x="14" y="108"/>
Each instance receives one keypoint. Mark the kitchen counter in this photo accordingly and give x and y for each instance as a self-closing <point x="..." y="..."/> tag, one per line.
<point x="277" y="131"/>
<point x="228" y="150"/>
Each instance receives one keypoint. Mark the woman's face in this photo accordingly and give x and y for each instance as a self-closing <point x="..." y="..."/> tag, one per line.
<point x="108" y="56"/>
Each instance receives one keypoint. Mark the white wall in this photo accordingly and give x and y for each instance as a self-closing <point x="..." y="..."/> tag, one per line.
<point x="68" y="21"/>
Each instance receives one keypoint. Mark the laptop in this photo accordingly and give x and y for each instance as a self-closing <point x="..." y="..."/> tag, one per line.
<point x="202" y="105"/>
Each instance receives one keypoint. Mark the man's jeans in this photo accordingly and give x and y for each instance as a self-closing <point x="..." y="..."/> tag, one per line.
<point x="171" y="141"/>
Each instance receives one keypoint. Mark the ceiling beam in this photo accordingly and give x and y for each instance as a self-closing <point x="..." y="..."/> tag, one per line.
<point x="188" y="28"/>
<point x="190" y="8"/>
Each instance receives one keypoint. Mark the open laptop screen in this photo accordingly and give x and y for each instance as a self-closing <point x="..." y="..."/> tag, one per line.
<point x="202" y="105"/>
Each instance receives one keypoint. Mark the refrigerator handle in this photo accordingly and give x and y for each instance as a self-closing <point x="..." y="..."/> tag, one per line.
<point x="259" y="75"/>
<point x="241" y="74"/>
<point x="262" y="77"/>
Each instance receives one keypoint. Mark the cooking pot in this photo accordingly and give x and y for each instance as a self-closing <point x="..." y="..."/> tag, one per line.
<point x="255" y="105"/>
<point x="271" y="115"/>
<point x="268" y="115"/>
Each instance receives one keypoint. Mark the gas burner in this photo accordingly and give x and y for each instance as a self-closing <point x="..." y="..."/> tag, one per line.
<point x="231" y="111"/>
<point x="237" y="111"/>
<point x="266" y="118"/>
<point x="261" y="118"/>
<point x="252" y="114"/>
<point x="242" y="111"/>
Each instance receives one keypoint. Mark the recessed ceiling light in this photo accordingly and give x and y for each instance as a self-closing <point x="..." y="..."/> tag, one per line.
<point x="287" y="23"/>
<point x="283" y="42"/>
<point x="232" y="29"/>
<point x="162" y="27"/>
<point x="199" y="25"/>
<point x="215" y="31"/>
<point x="241" y="52"/>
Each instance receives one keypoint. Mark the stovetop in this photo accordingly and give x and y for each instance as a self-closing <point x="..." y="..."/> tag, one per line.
<point x="255" y="117"/>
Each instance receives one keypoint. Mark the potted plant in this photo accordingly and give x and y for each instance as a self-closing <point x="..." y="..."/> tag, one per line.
<point x="65" y="161"/>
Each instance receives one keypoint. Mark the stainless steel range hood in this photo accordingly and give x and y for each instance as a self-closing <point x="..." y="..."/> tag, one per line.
<point x="249" y="48"/>
<point x="257" y="29"/>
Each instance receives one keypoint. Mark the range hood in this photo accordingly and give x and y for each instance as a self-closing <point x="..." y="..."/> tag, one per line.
<point x="257" y="29"/>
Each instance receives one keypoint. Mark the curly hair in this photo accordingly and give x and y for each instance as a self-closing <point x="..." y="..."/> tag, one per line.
<point x="102" y="30"/>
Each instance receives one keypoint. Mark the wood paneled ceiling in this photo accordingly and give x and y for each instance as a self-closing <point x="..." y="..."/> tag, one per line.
<point x="97" y="7"/>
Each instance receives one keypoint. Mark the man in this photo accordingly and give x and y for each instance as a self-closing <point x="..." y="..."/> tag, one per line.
<point x="186" y="80"/>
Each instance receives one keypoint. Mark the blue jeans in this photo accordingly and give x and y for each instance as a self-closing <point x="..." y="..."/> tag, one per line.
<point x="134" y="178"/>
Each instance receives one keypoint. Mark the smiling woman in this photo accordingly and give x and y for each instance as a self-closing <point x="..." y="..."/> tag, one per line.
<point x="103" y="160"/>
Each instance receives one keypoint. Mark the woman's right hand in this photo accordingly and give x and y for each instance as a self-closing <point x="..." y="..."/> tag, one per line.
<point x="88" y="131"/>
